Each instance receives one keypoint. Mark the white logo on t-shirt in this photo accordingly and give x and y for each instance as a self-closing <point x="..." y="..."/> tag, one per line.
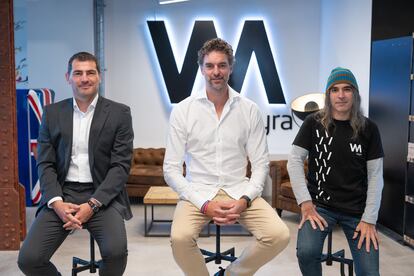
<point x="356" y="148"/>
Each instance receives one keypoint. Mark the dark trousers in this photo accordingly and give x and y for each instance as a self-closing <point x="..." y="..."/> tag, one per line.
<point x="310" y="245"/>
<point x="47" y="234"/>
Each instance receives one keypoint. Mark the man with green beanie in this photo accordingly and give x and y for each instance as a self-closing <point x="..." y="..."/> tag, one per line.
<point x="344" y="181"/>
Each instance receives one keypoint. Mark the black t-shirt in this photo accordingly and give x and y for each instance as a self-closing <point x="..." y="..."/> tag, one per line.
<point x="337" y="177"/>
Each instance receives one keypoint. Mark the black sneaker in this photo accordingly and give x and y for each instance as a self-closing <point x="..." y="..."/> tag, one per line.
<point x="220" y="272"/>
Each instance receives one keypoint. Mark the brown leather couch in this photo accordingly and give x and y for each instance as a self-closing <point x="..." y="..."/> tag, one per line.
<point x="146" y="171"/>
<point x="283" y="197"/>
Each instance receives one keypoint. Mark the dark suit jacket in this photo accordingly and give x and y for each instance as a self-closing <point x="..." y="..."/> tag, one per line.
<point x="110" y="152"/>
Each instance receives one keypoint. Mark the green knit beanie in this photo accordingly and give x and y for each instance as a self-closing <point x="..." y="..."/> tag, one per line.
<point x="341" y="75"/>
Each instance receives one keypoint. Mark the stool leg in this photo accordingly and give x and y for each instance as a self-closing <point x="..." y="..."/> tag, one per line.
<point x="74" y="266"/>
<point x="329" y="254"/>
<point x="351" y="269"/>
<point x="218" y="253"/>
<point x="350" y="264"/>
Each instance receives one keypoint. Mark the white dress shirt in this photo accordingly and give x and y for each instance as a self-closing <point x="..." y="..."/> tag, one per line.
<point x="79" y="170"/>
<point x="216" y="150"/>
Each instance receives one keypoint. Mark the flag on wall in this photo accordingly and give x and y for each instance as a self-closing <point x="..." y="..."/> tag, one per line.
<point x="30" y="104"/>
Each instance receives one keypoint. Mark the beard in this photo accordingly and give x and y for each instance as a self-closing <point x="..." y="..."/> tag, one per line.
<point x="218" y="85"/>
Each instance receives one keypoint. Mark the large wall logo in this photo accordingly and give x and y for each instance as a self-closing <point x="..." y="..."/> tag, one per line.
<point x="253" y="38"/>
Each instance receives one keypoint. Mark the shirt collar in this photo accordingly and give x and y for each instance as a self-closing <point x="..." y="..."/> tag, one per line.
<point x="233" y="95"/>
<point x="90" y="107"/>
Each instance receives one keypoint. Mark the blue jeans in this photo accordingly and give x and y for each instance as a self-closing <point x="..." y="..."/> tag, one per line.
<point x="310" y="245"/>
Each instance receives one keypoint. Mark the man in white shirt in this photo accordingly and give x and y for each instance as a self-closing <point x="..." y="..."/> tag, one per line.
<point x="84" y="157"/>
<point x="216" y="132"/>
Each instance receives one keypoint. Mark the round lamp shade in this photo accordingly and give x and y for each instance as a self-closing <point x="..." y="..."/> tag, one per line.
<point x="307" y="104"/>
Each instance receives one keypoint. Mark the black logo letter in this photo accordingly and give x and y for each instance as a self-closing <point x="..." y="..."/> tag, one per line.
<point x="254" y="39"/>
<point x="179" y="85"/>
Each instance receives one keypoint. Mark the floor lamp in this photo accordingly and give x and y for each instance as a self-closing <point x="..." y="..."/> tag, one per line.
<point x="307" y="104"/>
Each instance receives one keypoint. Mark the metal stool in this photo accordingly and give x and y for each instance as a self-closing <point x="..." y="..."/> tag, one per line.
<point x="338" y="256"/>
<point x="92" y="265"/>
<point x="217" y="256"/>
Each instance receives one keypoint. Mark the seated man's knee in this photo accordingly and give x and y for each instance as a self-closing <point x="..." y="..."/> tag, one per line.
<point x="367" y="266"/>
<point x="284" y="235"/>
<point x="182" y="238"/>
<point x="114" y="250"/>
<point x="29" y="260"/>
<point x="305" y="252"/>
<point x="276" y="237"/>
<point x="281" y="235"/>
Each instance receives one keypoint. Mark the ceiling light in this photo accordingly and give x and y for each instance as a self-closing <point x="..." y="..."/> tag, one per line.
<point x="166" y="2"/>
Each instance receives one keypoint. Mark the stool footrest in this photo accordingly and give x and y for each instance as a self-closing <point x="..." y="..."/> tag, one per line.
<point x="92" y="265"/>
<point x="338" y="256"/>
<point x="76" y="261"/>
<point x="84" y="265"/>
<point x="218" y="256"/>
<point x="227" y="255"/>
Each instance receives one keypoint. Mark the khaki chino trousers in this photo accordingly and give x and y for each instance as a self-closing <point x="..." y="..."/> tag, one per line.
<point x="271" y="236"/>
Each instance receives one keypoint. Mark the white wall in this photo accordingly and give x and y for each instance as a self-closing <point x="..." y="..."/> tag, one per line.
<point x="346" y="41"/>
<point x="56" y="30"/>
<point x="134" y="76"/>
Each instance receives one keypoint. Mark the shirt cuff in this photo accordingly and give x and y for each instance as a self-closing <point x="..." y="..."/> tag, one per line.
<point x="56" y="198"/>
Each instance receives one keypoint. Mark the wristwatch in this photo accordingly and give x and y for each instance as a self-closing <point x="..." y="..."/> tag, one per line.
<point x="248" y="200"/>
<point x="95" y="208"/>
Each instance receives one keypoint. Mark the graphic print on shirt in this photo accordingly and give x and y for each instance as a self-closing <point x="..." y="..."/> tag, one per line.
<point x="357" y="149"/>
<point x="322" y="161"/>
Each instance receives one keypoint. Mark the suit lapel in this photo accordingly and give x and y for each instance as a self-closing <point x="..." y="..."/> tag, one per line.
<point x="66" y="125"/>
<point x="99" y="117"/>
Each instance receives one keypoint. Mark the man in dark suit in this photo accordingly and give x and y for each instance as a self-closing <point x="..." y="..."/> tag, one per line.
<point x="84" y="157"/>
